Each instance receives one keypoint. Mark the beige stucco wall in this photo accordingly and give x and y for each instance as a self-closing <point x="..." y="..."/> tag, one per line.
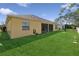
<point x="14" y="27"/>
<point x="54" y="27"/>
<point x="35" y="25"/>
<point x="9" y="25"/>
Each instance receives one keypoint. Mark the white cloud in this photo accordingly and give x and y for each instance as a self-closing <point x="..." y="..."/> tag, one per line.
<point x="23" y="4"/>
<point x="6" y="11"/>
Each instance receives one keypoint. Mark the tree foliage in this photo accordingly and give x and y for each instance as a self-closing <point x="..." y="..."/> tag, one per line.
<point x="71" y="16"/>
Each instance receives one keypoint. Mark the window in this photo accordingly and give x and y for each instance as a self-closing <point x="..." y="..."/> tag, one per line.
<point x="25" y="25"/>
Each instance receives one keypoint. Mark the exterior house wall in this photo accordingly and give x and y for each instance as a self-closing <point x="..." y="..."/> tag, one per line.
<point x="35" y="25"/>
<point x="16" y="30"/>
<point x="14" y="27"/>
<point x="9" y="25"/>
<point x="54" y="29"/>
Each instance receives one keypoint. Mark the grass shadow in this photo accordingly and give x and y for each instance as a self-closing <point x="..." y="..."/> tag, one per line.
<point x="13" y="43"/>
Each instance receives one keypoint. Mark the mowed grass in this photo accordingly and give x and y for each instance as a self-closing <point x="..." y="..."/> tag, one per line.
<point x="58" y="43"/>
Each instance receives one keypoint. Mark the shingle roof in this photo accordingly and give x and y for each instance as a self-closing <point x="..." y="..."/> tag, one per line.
<point x="32" y="17"/>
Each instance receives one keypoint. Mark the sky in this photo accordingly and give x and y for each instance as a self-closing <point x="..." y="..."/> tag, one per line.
<point x="49" y="11"/>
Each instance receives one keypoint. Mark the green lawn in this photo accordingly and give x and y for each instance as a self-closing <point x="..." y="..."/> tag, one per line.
<point x="53" y="44"/>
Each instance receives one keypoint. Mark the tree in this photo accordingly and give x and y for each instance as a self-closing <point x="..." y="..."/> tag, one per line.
<point x="70" y="16"/>
<point x="3" y="27"/>
<point x="60" y="21"/>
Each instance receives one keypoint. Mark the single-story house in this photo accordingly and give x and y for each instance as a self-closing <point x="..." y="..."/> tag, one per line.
<point x="19" y="26"/>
